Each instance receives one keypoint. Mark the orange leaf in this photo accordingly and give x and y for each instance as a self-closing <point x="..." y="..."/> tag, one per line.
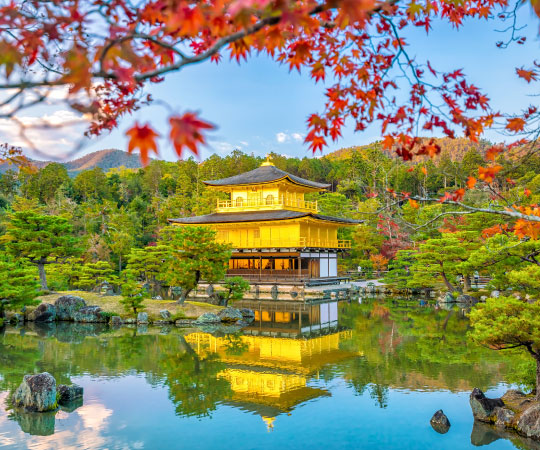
<point x="143" y="138"/>
<point x="471" y="182"/>
<point x="424" y="171"/>
<point x="527" y="192"/>
<point x="515" y="124"/>
<point x="492" y="153"/>
<point x="186" y="131"/>
<point x="458" y="195"/>
<point x="525" y="228"/>
<point x="527" y="75"/>
<point x="414" y="204"/>
<point x="488" y="174"/>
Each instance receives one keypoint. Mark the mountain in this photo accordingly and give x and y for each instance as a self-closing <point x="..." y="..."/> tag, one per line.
<point x="454" y="148"/>
<point x="105" y="159"/>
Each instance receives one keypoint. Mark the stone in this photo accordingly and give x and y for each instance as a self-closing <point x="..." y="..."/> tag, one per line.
<point x="142" y="317"/>
<point x="184" y="322"/>
<point x="43" y="313"/>
<point x="88" y="314"/>
<point x="165" y="314"/>
<point x="142" y="328"/>
<point x="529" y="421"/>
<point x="68" y="393"/>
<point x="130" y="321"/>
<point x="446" y="297"/>
<point x="439" y="422"/>
<point x="230" y="315"/>
<point x="248" y="315"/>
<point x="483" y="407"/>
<point x="116" y="321"/>
<point x="503" y="416"/>
<point x="67" y="305"/>
<point x="37" y="393"/>
<point x="483" y="298"/>
<point x="495" y="294"/>
<point x="157" y="297"/>
<point x="467" y="299"/>
<point x="17" y="318"/>
<point x="208" y="318"/>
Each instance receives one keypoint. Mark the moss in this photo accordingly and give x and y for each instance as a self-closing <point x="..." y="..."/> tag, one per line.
<point x="178" y="315"/>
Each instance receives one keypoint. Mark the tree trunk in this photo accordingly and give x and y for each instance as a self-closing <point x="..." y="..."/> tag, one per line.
<point x="119" y="264"/>
<point x="42" y="276"/>
<point x="447" y="283"/>
<point x="466" y="283"/>
<point x="537" y="377"/>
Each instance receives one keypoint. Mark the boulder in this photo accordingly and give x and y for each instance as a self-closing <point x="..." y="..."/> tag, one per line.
<point x="142" y="317"/>
<point x="483" y="408"/>
<point x="69" y="393"/>
<point x="503" y="416"/>
<point x="67" y="305"/>
<point x="248" y="315"/>
<point x="529" y="421"/>
<point x="440" y="422"/>
<point x="17" y="318"/>
<point x="165" y="314"/>
<point x="37" y="393"/>
<point x="43" y="313"/>
<point x="495" y="294"/>
<point x="116" y="321"/>
<point x="466" y="299"/>
<point x="230" y="315"/>
<point x="89" y="314"/>
<point x="208" y="318"/>
<point x="184" y="322"/>
<point x="446" y="297"/>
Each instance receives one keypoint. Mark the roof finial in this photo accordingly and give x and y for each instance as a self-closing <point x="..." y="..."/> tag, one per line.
<point x="268" y="161"/>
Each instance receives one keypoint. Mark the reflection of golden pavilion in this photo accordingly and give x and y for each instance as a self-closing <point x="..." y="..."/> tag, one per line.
<point x="270" y="375"/>
<point x="275" y="233"/>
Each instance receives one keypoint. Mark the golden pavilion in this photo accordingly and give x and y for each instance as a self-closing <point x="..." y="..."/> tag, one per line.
<point x="276" y="235"/>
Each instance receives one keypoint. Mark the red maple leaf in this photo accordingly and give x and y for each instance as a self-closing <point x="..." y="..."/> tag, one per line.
<point x="187" y="131"/>
<point x="143" y="138"/>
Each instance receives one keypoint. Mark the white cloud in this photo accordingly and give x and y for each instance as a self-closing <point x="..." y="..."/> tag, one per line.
<point x="283" y="137"/>
<point x="244" y="143"/>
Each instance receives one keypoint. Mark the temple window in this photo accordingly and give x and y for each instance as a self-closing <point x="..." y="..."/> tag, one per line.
<point x="239" y="201"/>
<point x="269" y="199"/>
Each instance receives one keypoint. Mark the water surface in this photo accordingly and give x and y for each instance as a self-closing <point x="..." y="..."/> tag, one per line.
<point x="329" y="375"/>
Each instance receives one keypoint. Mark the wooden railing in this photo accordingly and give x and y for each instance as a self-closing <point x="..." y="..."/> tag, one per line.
<point x="258" y="204"/>
<point x="302" y="242"/>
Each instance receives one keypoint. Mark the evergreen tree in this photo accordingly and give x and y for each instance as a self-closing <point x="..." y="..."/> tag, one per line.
<point x="39" y="239"/>
<point x="194" y="256"/>
<point x="18" y="287"/>
<point x="133" y="296"/>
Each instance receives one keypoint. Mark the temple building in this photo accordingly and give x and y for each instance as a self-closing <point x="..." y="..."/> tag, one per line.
<point x="276" y="235"/>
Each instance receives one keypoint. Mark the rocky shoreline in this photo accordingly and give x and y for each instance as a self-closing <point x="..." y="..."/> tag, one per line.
<point x="514" y="411"/>
<point x="70" y="308"/>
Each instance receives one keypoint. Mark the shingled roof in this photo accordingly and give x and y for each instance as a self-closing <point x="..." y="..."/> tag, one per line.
<point x="258" y="216"/>
<point x="265" y="174"/>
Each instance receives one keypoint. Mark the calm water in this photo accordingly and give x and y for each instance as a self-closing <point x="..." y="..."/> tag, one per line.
<point x="329" y="376"/>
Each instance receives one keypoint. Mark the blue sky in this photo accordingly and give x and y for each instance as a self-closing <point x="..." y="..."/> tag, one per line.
<point x="259" y="106"/>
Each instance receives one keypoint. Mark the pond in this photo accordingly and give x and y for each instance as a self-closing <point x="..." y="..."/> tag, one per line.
<point x="367" y="374"/>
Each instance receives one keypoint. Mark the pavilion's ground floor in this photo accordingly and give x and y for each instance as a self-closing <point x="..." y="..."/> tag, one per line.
<point x="284" y="266"/>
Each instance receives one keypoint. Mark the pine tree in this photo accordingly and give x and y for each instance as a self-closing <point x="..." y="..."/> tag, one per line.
<point x="39" y="239"/>
<point x="133" y="295"/>
<point x="18" y="287"/>
<point x="194" y="256"/>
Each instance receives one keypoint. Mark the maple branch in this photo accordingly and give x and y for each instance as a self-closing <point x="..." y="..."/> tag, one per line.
<point x="437" y="217"/>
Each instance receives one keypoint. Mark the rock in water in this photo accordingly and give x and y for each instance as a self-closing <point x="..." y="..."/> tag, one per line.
<point x="36" y="393"/>
<point x="35" y="423"/>
<point x="142" y="317"/>
<point x="89" y="314"/>
<point x="165" y="314"/>
<point x="230" y="315"/>
<point x="248" y="315"/>
<point x="440" y="422"/>
<point x="529" y="422"/>
<point x="43" y="313"/>
<point x="466" y="299"/>
<point x="67" y="305"/>
<point x="208" y="318"/>
<point x="116" y="321"/>
<point x="69" y="393"/>
<point x="483" y="408"/>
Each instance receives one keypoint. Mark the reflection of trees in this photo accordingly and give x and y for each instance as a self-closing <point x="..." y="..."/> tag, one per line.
<point x="193" y="383"/>
<point x="408" y="346"/>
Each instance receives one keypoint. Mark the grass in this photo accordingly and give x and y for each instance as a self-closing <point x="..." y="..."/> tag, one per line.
<point x="111" y="305"/>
